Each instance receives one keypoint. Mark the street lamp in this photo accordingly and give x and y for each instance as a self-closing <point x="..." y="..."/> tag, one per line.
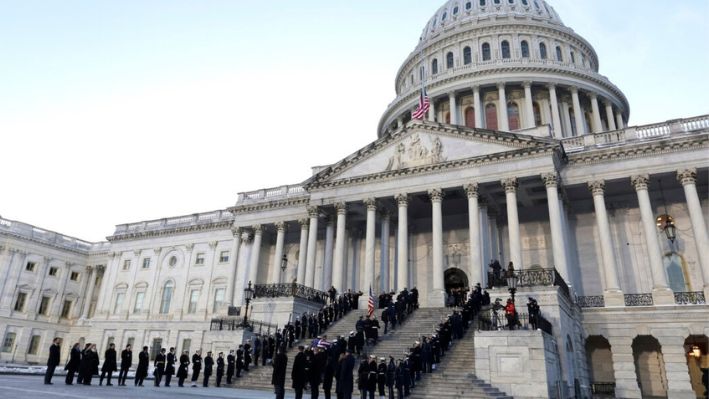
<point x="512" y="284"/>
<point x="248" y="294"/>
<point x="665" y="222"/>
<point x="284" y="262"/>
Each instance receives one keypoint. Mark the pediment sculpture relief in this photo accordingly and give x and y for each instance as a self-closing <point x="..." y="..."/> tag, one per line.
<point x="414" y="152"/>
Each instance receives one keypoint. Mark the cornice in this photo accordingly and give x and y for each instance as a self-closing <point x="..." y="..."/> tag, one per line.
<point x="222" y="225"/>
<point x="45" y="244"/>
<point x="269" y="205"/>
<point x="642" y="149"/>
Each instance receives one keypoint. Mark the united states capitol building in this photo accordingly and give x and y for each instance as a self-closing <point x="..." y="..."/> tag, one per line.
<point x="525" y="156"/>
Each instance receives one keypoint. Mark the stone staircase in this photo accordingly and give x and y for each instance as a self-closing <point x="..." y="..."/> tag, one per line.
<point x="454" y="376"/>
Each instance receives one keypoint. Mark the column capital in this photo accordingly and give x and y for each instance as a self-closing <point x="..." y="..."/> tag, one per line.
<point x="236" y="231"/>
<point x="471" y="189"/>
<point x="594" y="96"/>
<point x="436" y="194"/>
<point x="157" y="250"/>
<point x="551" y="86"/>
<point x="501" y="86"/>
<point x="476" y="88"/>
<point x="687" y="176"/>
<point x="510" y="184"/>
<point x="640" y="182"/>
<point x="304" y="222"/>
<point x="402" y="199"/>
<point x="89" y="269"/>
<point x="280" y="226"/>
<point x="100" y="268"/>
<point x="190" y="246"/>
<point x="341" y="208"/>
<point x="371" y="204"/>
<point x="527" y="83"/>
<point x="213" y="244"/>
<point x="551" y="179"/>
<point x="245" y="237"/>
<point x="574" y="89"/>
<point x="451" y="95"/>
<point x="313" y="211"/>
<point x="258" y="229"/>
<point x="597" y="187"/>
<point x="384" y="213"/>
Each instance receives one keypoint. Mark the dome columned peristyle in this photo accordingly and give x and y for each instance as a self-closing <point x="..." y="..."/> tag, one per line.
<point x="506" y="65"/>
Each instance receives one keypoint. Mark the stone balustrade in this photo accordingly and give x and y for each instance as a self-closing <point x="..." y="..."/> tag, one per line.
<point x="197" y="219"/>
<point x="269" y="194"/>
<point x="32" y="233"/>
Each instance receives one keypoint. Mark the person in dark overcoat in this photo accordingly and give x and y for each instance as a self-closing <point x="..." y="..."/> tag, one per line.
<point x="372" y="376"/>
<point x="317" y="367"/>
<point x="80" y="378"/>
<point x="182" y="369"/>
<point x="89" y="365"/>
<point x="143" y="363"/>
<point x="363" y="377"/>
<point x="208" y="364"/>
<point x="278" y="378"/>
<point x="220" y="368"/>
<point x="159" y="364"/>
<point x="52" y="361"/>
<point x="239" y="360"/>
<point x="126" y="362"/>
<point x="109" y="365"/>
<point x="230" y="366"/>
<point x="381" y="376"/>
<point x="196" y="366"/>
<point x="299" y="374"/>
<point x="170" y="366"/>
<point x="345" y="381"/>
<point x="72" y="366"/>
<point x="391" y="377"/>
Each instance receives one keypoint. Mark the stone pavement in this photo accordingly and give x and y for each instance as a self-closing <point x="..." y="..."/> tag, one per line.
<point x="32" y="387"/>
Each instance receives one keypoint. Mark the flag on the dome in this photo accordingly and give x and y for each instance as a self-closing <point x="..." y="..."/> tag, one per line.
<point x="370" y="303"/>
<point x="423" y="107"/>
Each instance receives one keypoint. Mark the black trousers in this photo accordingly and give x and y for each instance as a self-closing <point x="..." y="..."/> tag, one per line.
<point x="168" y="377"/>
<point x="205" y="383"/>
<point x="69" y="377"/>
<point x="122" y="376"/>
<point x="219" y="379"/>
<point x="195" y="376"/>
<point x="314" y="391"/>
<point x="49" y="374"/>
<point x="298" y="393"/>
<point x="181" y="381"/>
<point x="139" y="380"/>
<point x="158" y="377"/>
<point x="103" y="374"/>
<point x="280" y="391"/>
<point x="87" y="379"/>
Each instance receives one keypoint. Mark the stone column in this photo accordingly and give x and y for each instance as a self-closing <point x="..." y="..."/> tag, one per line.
<point x="528" y="106"/>
<point x="402" y="267"/>
<point x="89" y="292"/>
<point x="676" y="369"/>
<point x="8" y="271"/>
<point x="596" y="125"/>
<point x="609" y="116"/>
<point x="477" y="104"/>
<point x="243" y="266"/>
<point x="503" y="122"/>
<point x="276" y="271"/>
<point x="510" y="186"/>
<point x="567" y="118"/>
<point x="234" y="261"/>
<point x="620" y="124"/>
<point x="612" y="292"/>
<point x="35" y="300"/>
<point x="302" y="251"/>
<point x="485" y="240"/>
<point x="495" y="250"/>
<point x="339" y="256"/>
<point x="688" y="178"/>
<point x="432" y="110"/>
<point x="255" y="252"/>
<point x="105" y="294"/>
<point x="325" y="282"/>
<point x="578" y="112"/>
<point x="453" y="105"/>
<point x="551" y="182"/>
<point x="384" y="285"/>
<point x="474" y="265"/>
<point x="369" y="245"/>
<point x="626" y="381"/>
<point x="436" y="297"/>
<point x="399" y="122"/>
<point x="312" y="247"/>
<point x="556" y="118"/>
<point x="661" y="293"/>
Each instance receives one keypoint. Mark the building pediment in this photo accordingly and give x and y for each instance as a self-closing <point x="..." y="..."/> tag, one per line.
<point x="425" y="145"/>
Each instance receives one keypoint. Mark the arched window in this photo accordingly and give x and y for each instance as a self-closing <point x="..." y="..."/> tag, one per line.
<point x="449" y="60"/>
<point x="468" y="6"/>
<point x="573" y="58"/>
<point x="166" y="297"/>
<point x="524" y="46"/>
<point x="496" y="1"/>
<point x="572" y="119"/>
<point x="486" y="51"/>
<point x="542" y="51"/>
<point x="511" y="1"/>
<point x="421" y="72"/>
<point x="455" y="10"/>
<point x="674" y="267"/>
<point x="537" y="114"/>
<point x="559" y="56"/>
<point x="470" y="117"/>
<point x="505" y="47"/>
<point x="434" y="66"/>
<point x="443" y="17"/>
<point x="448" y="118"/>
<point x="513" y="115"/>
<point x="467" y="56"/>
<point x="482" y="3"/>
<point x="525" y="2"/>
<point x="491" y="116"/>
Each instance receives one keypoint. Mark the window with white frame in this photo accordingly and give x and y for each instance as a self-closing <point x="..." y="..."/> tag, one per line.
<point x="30" y="266"/>
<point x="118" y="304"/>
<point x="66" y="309"/>
<point x="8" y="342"/>
<point x="53" y="271"/>
<point x="166" y="297"/>
<point x="139" y="298"/>
<point x="199" y="259"/>
<point x="33" y="349"/>
<point x="44" y="305"/>
<point x="20" y="302"/>
<point x="194" y="297"/>
<point x="224" y="257"/>
<point x="146" y="263"/>
<point x="126" y="264"/>
<point x="74" y="276"/>
<point x="219" y="294"/>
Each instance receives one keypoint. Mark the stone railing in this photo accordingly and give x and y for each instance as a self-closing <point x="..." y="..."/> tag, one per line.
<point x="196" y="219"/>
<point x="289" y="290"/>
<point x="268" y="194"/>
<point x="495" y="320"/>
<point x="593" y="301"/>
<point x="635" y="133"/>
<point x="237" y="323"/>
<point x="638" y="300"/>
<point x="32" y="233"/>
<point x="533" y="278"/>
<point x="690" y="298"/>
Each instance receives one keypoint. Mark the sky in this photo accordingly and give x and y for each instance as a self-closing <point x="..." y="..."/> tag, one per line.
<point x="117" y="111"/>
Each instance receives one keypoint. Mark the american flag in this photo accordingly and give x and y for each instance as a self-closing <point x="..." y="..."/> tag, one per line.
<point x="423" y="107"/>
<point x="370" y="303"/>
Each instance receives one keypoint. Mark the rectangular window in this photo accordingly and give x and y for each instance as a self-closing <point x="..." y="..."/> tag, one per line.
<point x="111" y="340"/>
<point x="9" y="342"/>
<point x="66" y="309"/>
<point x="138" y="302"/>
<point x="20" y="302"/>
<point x="224" y="257"/>
<point x="218" y="299"/>
<point x="44" y="306"/>
<point x="53" y="271"/>
<point x="74" y="276"/>
<point x="146" y="263"/>
<point x="166" y="299"/>
<point x="34" y="345"/>
<point x="155" y="350"/>
<point x="194" y="297"/>
<point x="126" y="264"/>
<point x="30" y="266"/>
<point x="199" y="260"/>
<point x="186" y="343"/>
<point x="130" y="342"/>
<point x="119" y="302"/>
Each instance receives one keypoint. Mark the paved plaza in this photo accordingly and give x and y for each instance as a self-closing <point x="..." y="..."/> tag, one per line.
<point x="32" y="387"/>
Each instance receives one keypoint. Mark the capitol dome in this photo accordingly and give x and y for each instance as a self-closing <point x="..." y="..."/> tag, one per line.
<point x="474" y="56"/>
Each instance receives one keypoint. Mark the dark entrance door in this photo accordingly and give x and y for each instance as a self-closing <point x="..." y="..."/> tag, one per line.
<point x="455" y="278"/>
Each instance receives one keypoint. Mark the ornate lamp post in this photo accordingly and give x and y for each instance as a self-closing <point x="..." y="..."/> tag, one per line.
<point x="284" y="263"/>
<point x="665" y="222"/>
<point x="512" y="284"/>
<point x="248" y="294"/>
